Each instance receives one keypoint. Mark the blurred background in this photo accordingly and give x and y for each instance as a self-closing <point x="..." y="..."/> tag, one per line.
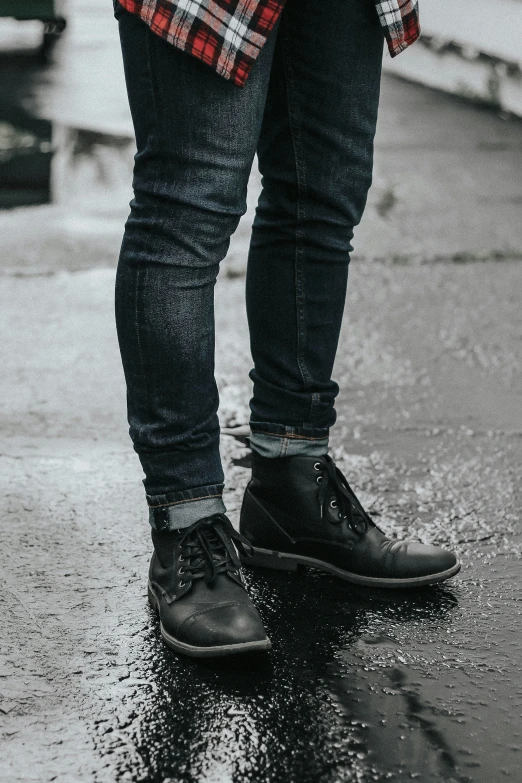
<point x="361" y="686"/>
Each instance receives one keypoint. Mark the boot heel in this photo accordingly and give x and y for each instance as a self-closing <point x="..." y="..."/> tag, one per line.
<point x="152" y="598"/>
<point x="264" y="558"/>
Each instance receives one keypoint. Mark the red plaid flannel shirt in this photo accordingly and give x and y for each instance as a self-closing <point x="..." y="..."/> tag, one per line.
<point x="229" y="34"/>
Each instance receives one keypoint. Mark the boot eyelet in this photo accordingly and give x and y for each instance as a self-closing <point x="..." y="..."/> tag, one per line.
<point x="181" y="571"/>
<point x="182" y="584"/>
<point x="319" y="479"/>
<point x="181" y="557"/>
<point x="333" y="503"/>
<point x="317" y="466"/>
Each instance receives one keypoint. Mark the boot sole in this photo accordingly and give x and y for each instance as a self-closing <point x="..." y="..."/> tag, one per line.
<point x="205" y="652"/>
<point x="268" y="558"/>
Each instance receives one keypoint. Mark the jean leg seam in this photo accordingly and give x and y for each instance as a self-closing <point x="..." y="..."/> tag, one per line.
<point x="141" y="281"/>
<point x="142" y="272"/>
<point x="154" y="84"/>
<point x="315" y="402"/>
<point x="140" y="286"/>
<point x="300" y="212"/>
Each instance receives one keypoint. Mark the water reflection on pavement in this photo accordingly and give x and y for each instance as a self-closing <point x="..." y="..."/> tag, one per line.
<point x="316" y="709"/>
<point x="362" y="685"/>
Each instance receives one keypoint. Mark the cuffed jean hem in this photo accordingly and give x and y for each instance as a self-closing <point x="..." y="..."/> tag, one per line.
<point x="278" y="440"/>
<point x="175" y="514"/>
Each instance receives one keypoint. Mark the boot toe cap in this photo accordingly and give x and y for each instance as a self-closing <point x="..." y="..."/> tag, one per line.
<point x="226" y="625"/>
<point x="417" y="560"/>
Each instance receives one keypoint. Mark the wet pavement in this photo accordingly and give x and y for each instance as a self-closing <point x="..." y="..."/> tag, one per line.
<point x="361" y="684"/>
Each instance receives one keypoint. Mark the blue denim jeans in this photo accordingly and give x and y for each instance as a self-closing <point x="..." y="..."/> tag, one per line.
<point x="309" y="110"/>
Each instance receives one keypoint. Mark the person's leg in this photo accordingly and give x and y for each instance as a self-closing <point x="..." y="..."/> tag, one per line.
<point x="315" y="154"/>
<point x="196" y="137"/>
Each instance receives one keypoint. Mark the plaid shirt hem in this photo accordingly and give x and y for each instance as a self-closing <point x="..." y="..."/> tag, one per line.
<point x="228" y="35"/>
<point x="400" y="20"/>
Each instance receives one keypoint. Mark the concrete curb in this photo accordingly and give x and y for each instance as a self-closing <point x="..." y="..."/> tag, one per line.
<point x="460" y="70"/>
<point x="468" y="49"/>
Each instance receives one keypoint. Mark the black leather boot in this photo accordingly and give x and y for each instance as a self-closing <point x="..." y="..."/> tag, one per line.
<point x="301" y="511"/>
<point x="196" y="587"/>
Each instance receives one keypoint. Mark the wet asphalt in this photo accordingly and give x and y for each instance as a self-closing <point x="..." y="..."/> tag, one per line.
<point x="361" y="684"/>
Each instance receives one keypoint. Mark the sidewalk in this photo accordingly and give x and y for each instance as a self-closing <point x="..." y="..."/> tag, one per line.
<point x="362" y="685"/>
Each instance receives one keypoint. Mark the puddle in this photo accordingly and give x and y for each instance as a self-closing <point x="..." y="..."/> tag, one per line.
<point x="361" y="685"/>
<point x="44" y="162"/>
<point x="26" y="157"/>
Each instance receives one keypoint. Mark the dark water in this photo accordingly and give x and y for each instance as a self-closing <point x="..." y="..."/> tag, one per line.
<point x="362" y="685"/>
<point x="42" y="159"/>
<point x="34" y="152"/>
<point x="26" y="155"/>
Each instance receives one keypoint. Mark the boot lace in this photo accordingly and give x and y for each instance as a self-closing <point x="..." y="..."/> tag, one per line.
<point x="207" y="549"/>
<point x="332" y="482"/>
